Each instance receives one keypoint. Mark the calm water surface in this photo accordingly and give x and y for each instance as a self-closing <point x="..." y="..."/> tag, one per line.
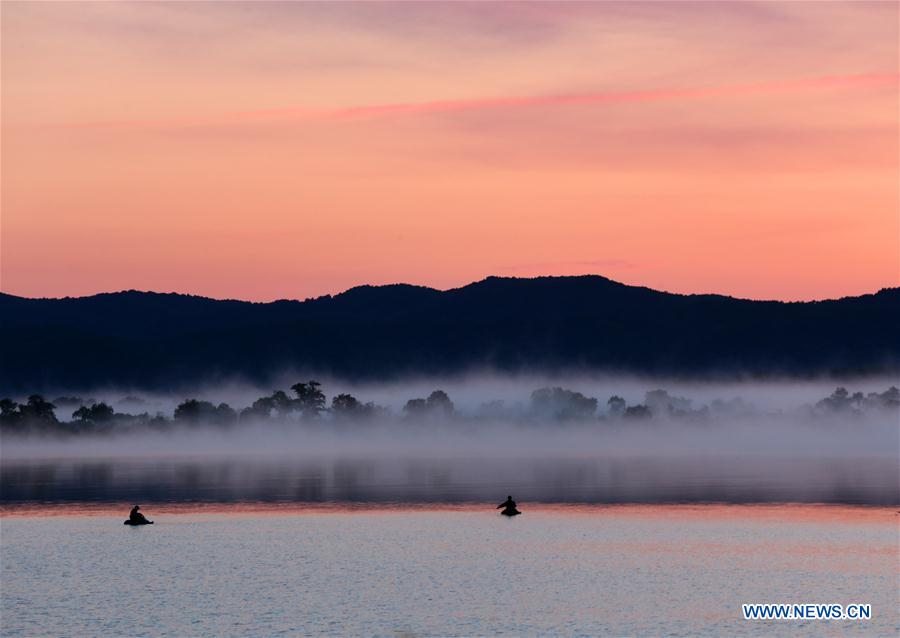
<point x="637" y="570"/>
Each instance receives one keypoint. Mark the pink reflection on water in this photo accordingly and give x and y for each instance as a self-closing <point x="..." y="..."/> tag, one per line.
<point x="773" y="513"/>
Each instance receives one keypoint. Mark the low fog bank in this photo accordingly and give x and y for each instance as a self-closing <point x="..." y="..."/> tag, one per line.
<point x="482" y="415"/>
<point x="784" y="435"/>
<point x="558" y="440"/>
<point x="470" y="393"/>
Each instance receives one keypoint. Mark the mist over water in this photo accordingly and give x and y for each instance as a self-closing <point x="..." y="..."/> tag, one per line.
<point x="469" y="392"/>
<point x="734" y="442"/>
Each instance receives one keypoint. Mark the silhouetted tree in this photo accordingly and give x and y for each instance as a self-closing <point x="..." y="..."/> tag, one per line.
<point x="225" y="414"/>
<point x="10" y="417"/>
<point x="616" y="405"/>
<point x="282" y="403"/>
<point x="38" y="411"/>
<point x="194" y="411"/>
<point x="661" y="402"/>
<point x="637" y="412"/>
<point x="310" y="399"/>
<point x="438" y="402"/>
<point x="97" y="413"/>
<point x="561" y="404"/>
<point x="102" y="412"/>
<point x="838" y="401"/>
<point x="260" y="409"/>
<point x="346" y="406"/>
<point x="158" y="422"/>
<point x="887" y="400"/>
<point x="416" y="407"/>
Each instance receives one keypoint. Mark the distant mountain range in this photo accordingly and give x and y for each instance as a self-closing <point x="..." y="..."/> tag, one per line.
<point x="547" y="324"/>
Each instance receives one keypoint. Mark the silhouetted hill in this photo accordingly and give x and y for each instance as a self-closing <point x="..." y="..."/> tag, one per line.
<point x="153" y="340"/>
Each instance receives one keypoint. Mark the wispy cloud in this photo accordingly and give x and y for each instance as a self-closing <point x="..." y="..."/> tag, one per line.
<point x="651" y="95"/>
<point x="363" y="111"/>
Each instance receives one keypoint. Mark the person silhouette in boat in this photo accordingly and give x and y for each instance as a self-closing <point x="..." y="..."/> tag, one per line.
<point x="136" y="518"/>
<point x="509" y="507"/>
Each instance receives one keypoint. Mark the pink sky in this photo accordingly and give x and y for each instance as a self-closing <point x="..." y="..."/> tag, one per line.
<point x="263" y="151"/>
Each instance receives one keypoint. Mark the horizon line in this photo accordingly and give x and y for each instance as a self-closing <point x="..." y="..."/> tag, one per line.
<point x="435" y="289"/>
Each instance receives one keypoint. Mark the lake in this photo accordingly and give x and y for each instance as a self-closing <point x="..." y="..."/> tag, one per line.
<point x="341" y="569"/>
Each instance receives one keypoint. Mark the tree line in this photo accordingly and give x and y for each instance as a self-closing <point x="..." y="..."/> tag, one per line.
<point x="307" y="402"/>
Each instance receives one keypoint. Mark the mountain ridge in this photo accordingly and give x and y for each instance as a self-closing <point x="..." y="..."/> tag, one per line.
<point x="408" y="286"/>
<point x="163" y="340"/>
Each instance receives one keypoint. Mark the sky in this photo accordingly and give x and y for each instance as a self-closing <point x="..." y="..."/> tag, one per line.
<point x="286" y="150"/>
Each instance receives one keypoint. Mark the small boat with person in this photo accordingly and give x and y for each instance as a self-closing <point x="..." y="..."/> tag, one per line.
<point x="509" y="507"/>
<point x="136" y="518"/>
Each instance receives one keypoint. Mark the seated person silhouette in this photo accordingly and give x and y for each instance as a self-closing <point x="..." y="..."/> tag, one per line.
<point x="509" y="507"/>
<point x="136" y="518"/>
